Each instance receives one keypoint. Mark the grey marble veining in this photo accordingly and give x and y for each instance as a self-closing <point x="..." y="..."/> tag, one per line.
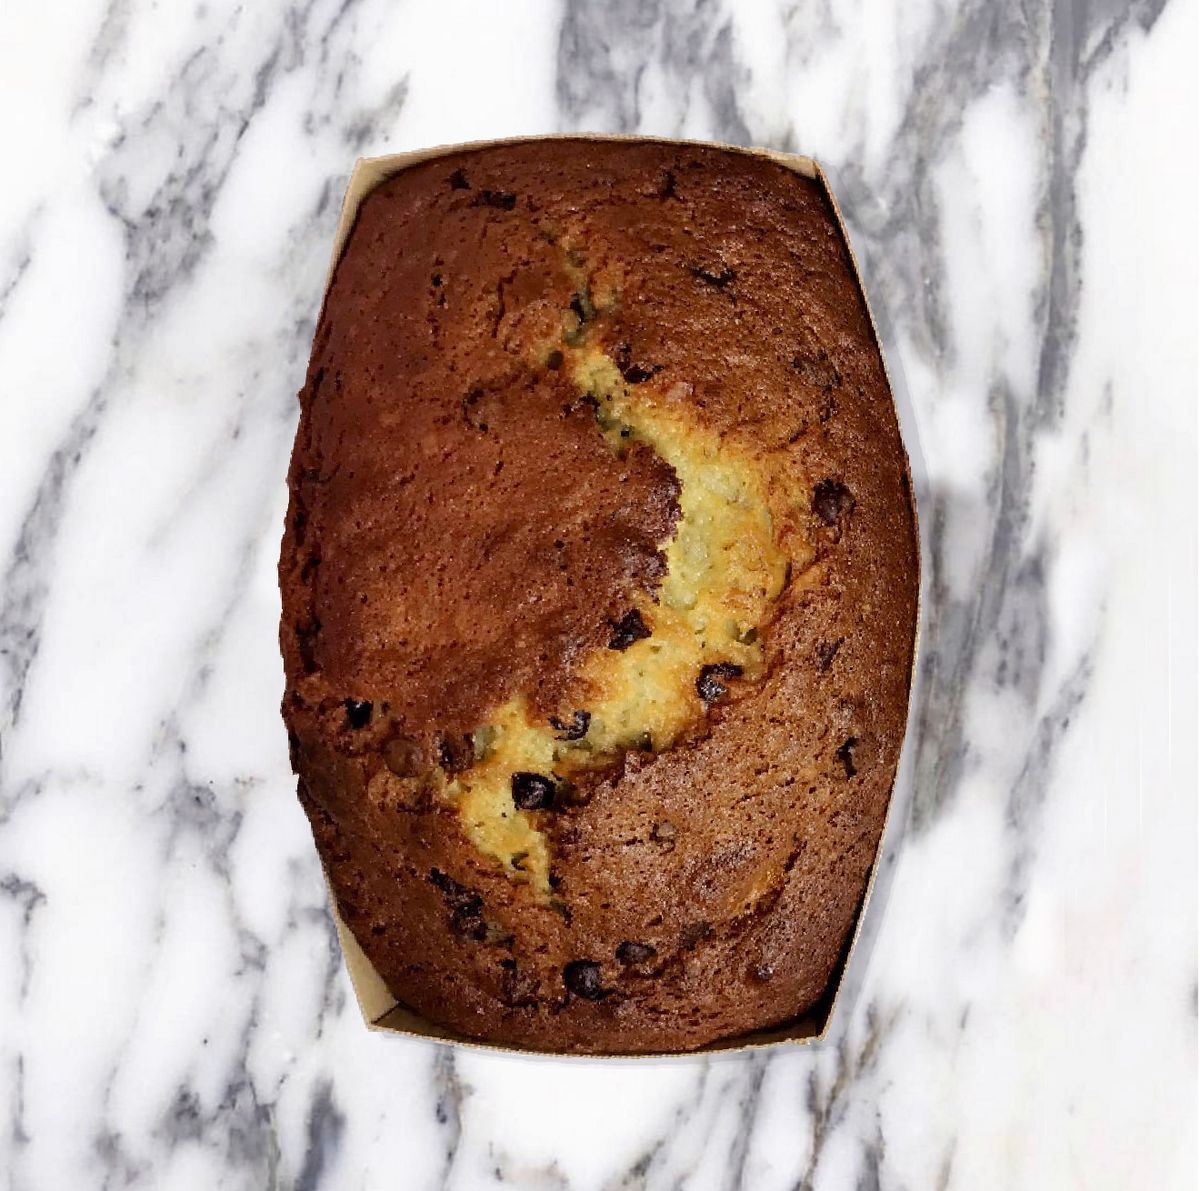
<point x="1020" y="181"/>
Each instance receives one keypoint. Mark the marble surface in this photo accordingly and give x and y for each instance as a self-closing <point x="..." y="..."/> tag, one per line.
<point x="1021" y="182"/>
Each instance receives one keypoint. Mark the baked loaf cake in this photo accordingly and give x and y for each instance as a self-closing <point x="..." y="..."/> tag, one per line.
<point x="599" y="592"/>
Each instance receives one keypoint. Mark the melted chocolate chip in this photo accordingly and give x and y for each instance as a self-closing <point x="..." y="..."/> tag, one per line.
<point x="630" y="628"/>
<point x="831" y="501"/>
<point x="815" y="368"/>
<point x="358" y="712"/>
<point x="458" y="181"/>
<point x="709" y="686"/>
<point x="718" y="280"/>
<point x="468" y="923"/>
<point x="845" y="755"/>
<point x="633" y="374"/>
<point x="455" y="753"/>
<point x="532" y="791"/>
<point x="826" y="652"/>
<point x="582" y="977"/>
<point x="466" y="907"/>
<point x="402" y="755"/>
<point x="502" y="200"/>
<point x="517" y="988"/>
<point x="469" y="405"/>
<point x="574" y="729"/>
<point x="635" y="953"/>
<point x="454" y="892"/>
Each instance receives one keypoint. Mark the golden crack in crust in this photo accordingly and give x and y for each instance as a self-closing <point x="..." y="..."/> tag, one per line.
<point x="727" y="562"/>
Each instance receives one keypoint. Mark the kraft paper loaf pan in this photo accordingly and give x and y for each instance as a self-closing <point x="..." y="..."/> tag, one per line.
<point x="380" y="1009"/>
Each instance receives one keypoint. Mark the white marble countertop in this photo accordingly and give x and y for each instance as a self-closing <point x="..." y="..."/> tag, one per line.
<point x="1021" y="181"/>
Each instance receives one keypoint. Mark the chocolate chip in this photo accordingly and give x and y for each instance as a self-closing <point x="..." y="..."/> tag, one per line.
<point x="719" y="280"/>
<point x="845" y="755"/>
<point x="455" y="753"/>
<point x="635" y="953"/>
<point x="582" y="977"/>
<point x="580" y="307"/>
<point x="466" y="907"/>
<point x="358" y="712"/>
<point x="575" y="729"/>
<point x="831" y="501"/>
<point x="468" y="922"/>
<point x="469" y="403"/>
<point x="554" y="360"/>
<point x="502" y="200"/>
<point x="517" y="988"/>
<point x="402" y="755"/>
<point x="816" y="369"/>
<point x="664" y="833"/>
<point x="666" y="185"/>
<point x="532" y="791"/>
<point x="630" y="628"/>
<point x="449" y="886"/>
<point x="826" y="652"/>
<point x="436" y="280"/>
<point x="709" y="686"/>
<point x="458" y="181"/>
<point x="634" y="374"/>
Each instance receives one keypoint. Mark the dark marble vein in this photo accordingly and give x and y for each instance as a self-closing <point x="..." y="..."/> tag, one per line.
<point x="18" y="1135"/>
<point x="754" y="1072"/>
<point x="1031" y="788"/>
<point x="26" y="580"/>
<point x="166" y="239"/>
<point x="23" y="257"/>
<point x="657" y="1158"/>
<point x="326" y="1124"/>
<point x="28" y="897"/>
<point x="827" y="1101"/>
<point x="605" y="50"/>
<point x="449" y="1096"/>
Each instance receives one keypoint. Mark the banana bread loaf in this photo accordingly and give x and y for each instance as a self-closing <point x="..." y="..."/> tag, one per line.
<point x="599" y="592"/>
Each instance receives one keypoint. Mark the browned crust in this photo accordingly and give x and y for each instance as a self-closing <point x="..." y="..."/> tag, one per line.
<point x="419" y="577"/>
